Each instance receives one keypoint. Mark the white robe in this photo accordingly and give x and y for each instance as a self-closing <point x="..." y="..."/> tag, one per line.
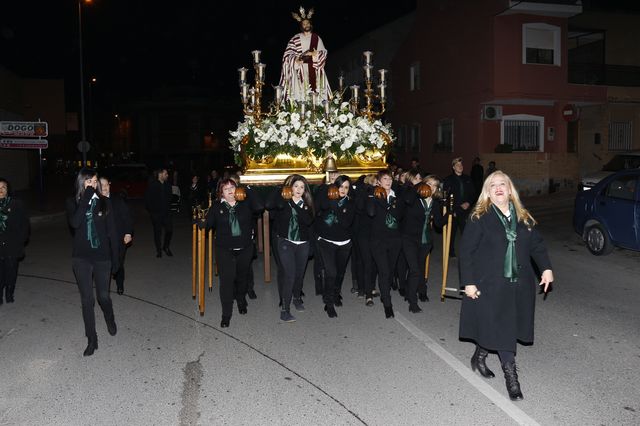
<point x="295" y="76"/>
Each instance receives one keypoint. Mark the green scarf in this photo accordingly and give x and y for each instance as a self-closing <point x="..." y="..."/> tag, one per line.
<point x="233" y="220"/>
<point x="426" y="235"/>
<point x="390" y="220"/>
<point x="4" y="213"/>
<point x="510" y="258"/>
<point x="294" y="229"/>
<point x="331" y="216"/>
<point x="92" y="232"/>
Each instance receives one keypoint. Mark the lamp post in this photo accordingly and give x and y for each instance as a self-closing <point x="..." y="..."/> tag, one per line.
<point x="83" y="142"/>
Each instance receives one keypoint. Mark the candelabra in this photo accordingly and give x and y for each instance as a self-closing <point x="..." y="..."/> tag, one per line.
<point x="369" y="109"/>
<point x="252" y="95"/>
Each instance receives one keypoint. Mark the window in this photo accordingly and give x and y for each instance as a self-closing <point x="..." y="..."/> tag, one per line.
<point x="523" y="132"/>
<point x="620" y="135"/>
<point x="414" y="137"/>
<point x="445" y="135"/>
<point x="540" y="44"/>
<point x="402" y="138"/>
<point x="623" y="187"/>
<point x="414" y="76"/>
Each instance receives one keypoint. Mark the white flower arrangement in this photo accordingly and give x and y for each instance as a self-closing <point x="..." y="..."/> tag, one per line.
<point x="339" y="132"/>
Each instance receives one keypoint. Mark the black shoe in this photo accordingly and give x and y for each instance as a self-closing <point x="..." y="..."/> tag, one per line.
<point x="112" y="327"/>
<point x="242" y="308"/>
<point x="331" y="311"/>
<point x="388" y="312"/>
<point x="452" y="254"/>
<point x="354" y="290"/>
<point x="225" y="322"/>
<point x="91" y="347"/>
<point x="369" y="301"/>
<point x="9" y="295"/>
<point x="252" y="294"/>
<point x="414" y="308"/>
<point x="158" y="253"/>
<point x="401" y="291"/>
<point x="394" y="284"/>
<point x="120" y="290"/>
<point x="338" y="301"/>
<point x="423" y="297"/>
<point x="511" y="380"/>
<point x="168" y="251"/>
<point x="479" y="361"/>
<point x="375" y="293"/>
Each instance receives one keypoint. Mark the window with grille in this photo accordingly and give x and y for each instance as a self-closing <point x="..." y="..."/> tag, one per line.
<point x="445" y="135"/>
<point x="402" y="138"/>
<point x="415" y="137"/>
<point x="522" y="135"/>
<point x="620" y="135"/>
<point x="540" y="44"/>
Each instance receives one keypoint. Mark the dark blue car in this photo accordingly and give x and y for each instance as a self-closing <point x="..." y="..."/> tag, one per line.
<point x="608" y="215"/>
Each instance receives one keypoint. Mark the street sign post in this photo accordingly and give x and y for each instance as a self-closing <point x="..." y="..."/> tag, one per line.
<point x="24" y="143"/>
<point x="24" y="129"/>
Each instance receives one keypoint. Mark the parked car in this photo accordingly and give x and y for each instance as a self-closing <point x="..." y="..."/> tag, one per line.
<point x="608" y="215"/>
<point x="130" y="180"/>
<point x="623" y="161"/>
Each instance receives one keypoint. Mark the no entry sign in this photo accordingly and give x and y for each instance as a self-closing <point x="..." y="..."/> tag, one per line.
<point x="570" y="112"/>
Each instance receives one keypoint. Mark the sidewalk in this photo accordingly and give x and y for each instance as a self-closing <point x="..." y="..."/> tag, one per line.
<point x="49" y="204"/>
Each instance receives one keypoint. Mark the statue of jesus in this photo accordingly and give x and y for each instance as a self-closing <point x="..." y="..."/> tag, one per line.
<point x="303" y="63"/>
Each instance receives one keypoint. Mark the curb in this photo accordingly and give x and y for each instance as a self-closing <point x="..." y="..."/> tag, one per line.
<point x="44" y="218"/>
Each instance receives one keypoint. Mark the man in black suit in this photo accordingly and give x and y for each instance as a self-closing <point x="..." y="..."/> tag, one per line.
<point x="124" y="226"/>
<point x="464" y="196"/>
<point x="157" y="200"/>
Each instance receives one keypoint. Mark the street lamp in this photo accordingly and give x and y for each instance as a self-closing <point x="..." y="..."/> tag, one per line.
<point x="83" y="143"/>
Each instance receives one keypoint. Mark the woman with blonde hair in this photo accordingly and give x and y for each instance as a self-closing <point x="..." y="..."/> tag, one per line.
<point x="497" y="246"/>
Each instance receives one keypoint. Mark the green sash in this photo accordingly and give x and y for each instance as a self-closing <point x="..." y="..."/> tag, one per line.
<point x="390" y="220"/>
<point x="426" y="235"/>
<point x="4" y="213"/>
<point x="510" y="258"/>
<point x="294" y="228"/>
<point x="331" y="216"/>
<point x="233" y="220"/>
<point x="92" y="232"/>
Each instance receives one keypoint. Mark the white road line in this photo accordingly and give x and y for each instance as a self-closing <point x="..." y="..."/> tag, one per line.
<point x="474" y="380"/>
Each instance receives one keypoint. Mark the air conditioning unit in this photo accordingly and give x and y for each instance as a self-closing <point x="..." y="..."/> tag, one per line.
<point x="491" y="112"/>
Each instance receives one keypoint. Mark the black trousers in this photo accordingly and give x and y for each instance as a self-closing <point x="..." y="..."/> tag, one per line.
<point x="415" y="255"/>
<point x="385" y="254"/>
<point x="119" y="275"/>
<point x="293" y="263"/>
<point x="318" y="266"/>
<point x="334" y="258"/>
<point x="160" y="223"/>
<point x="8" y="275"/>
<point x="356" y="266"/>
<point x="87" y="272"/>
<point x="458" y="222"/>
<point x="402" y="271"/>
<point x="234" y="272"/>
<point x="368" y="270"/>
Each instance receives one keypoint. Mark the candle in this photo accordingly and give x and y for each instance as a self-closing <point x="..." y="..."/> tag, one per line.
<point x="340" y="83"/>
<point x="243" y="75"/>
<point x="367" y="72"/>
<point x="279" y="94"/>
<point x="245" y="92"/>
<point x="383" y="95"/>
<point x="261" y="71"/>
<point x="367" y="57"/>
<point x="383" y="75"/>
<point x="256" y="56"/>
<point x="303" y="109"/>
<point x="314" y="99"/>
<point x="354" y="92"/>
<point x="326" y="107"/>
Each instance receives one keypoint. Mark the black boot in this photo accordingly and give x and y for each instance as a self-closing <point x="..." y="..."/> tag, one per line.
<point x="225" y="321"/>
<point x="511" y="379"/>
<point x="388" y="311"/>
<point x="478" y="361"/>
<point x="92" y="345"/>
<point x="414" y="308"/>
<point x="331" y="311"/>
<point x="111" y="326"/>
<point x="9" y="292"/>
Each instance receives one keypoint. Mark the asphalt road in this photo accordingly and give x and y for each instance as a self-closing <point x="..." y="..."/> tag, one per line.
<point x="169" y="365"/>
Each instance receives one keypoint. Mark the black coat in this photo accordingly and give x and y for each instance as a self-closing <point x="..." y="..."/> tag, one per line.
<point x="103" y="216"/>
<point x="123" y="219"/>
<point x="504" y="312"/>
<point x="463" y="191"/>
<point x="218" y="220"/>
<point x="414" y="215"/>
<point x="12" y="240"/>
<point x="280" y="209"/>
<point x="340" y="230"/>
<point x="377" y="210"/>
<point x="157" y="199"/>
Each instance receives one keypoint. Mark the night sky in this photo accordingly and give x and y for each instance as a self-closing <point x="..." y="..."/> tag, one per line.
<point x="133" y="46"/>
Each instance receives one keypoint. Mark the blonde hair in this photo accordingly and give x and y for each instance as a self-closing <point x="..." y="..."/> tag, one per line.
<point x="370" y="179"/>
<point x="484" y="201"/>
<point x="438" y="193"/>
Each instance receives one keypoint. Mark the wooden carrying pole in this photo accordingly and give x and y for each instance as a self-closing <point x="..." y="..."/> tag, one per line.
<point x="210" y="263"/>
<point x="446" y="242"/>
<point x="194" y="255"/>
<point x="267" y="247"/>
<point x="201" y="259"/>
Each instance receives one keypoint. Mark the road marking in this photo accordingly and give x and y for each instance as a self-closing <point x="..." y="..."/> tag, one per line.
<point x="494" y="396"/>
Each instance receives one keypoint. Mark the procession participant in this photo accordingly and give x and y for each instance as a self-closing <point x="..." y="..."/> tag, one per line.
<point x="499" y="282"/>
<point x="157" y="200"/>
<point x="362" y="235"/>
<point x="124" y="225"/>
<point x="417" y="242"/>
<point x="303" y="63"/>
<point x="333" y="223"/>
<point x="231" y="218"/>
<point x="318" y="267"/>
<point x="95" y="251"/>
<point x="412" y="178"/>
<point x="386" y="212"/>
<point x="464" y="195"/>
<point x="293" y="211"/>
<point x="14" y="232"/>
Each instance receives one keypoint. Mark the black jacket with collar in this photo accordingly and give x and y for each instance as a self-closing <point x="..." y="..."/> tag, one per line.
<point x="378" y="209"/>
<point x="218" y="220"/>
<point x="341" y="230"/>
<point x="280" y="210"/>
<point x="13" y="239"/>
<point x="414" y="214"/>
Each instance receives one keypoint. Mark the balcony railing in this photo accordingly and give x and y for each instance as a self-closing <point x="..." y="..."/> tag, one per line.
<point x="604" y="74"/>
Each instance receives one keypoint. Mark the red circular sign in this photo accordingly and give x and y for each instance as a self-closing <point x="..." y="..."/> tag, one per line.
<point x="570" y="112"/>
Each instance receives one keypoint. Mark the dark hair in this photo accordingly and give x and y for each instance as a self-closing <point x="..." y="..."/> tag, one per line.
<point x="342" y="179"/>
<point x="8" y="185"/>
<point x="157" y="172"/>
<point x="222" y="183"/>
<point x="306" y="196"/>
<point x="84" y="174"/>
<point x="384" y="172"/>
